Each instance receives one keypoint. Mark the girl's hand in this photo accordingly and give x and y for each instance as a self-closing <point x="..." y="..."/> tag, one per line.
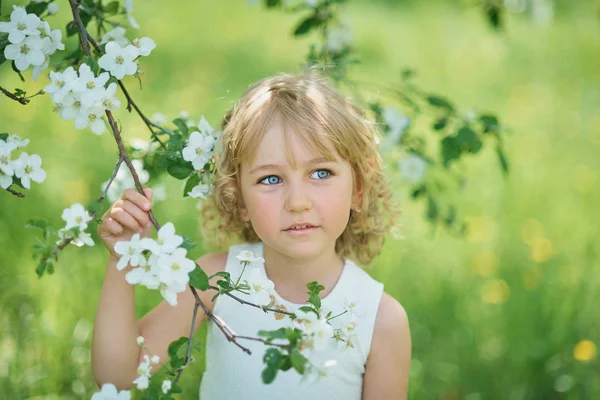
<point x="126" y="217"/>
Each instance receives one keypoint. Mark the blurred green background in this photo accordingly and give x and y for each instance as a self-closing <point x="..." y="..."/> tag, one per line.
<point x="510" y="311"/>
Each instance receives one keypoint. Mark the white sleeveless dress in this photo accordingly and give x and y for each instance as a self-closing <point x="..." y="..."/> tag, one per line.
<point x="234" y="375"/>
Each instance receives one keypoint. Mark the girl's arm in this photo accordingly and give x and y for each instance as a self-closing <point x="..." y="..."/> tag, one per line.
<point x="115" y="352"/>
<point x="386" y="372"/>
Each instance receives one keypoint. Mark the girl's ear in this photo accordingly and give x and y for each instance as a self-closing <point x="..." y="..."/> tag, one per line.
<point x="357" y="194"/>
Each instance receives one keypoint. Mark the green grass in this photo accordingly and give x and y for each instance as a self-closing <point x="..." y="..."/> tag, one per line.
<point x="494" y="315"/>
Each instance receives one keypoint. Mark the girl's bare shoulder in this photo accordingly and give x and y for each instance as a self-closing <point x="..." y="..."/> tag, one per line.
<point x="212" y="263"/>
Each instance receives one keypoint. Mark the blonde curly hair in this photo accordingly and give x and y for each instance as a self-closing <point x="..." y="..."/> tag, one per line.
<point x="314" y="109"/>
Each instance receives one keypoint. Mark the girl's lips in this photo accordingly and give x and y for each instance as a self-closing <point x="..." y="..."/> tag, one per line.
<point x="302" y="231"/>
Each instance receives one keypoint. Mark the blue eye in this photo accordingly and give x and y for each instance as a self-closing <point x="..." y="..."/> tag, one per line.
<point x="270" y="180"/>
<point x="321" y="174"/>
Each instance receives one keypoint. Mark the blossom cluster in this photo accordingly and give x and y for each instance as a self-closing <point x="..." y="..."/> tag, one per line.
<point x="27" y="167"/>
<point x="145" y="369"/>
<point x="199" y="151"/>
<point x="110" y="392"/>
<point x="157" y="264"/>
<point x="81" y="95"/>
<point x="77" y="219"/>
<point x="32" y="41"/>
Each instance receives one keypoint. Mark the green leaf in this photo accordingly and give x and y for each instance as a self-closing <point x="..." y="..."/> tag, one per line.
<point x="188" y="243"/>
<point x="180" y="169"/>
<point x="277" y="334"/>
<point x="440" y="123"/>
<point x="177" y="351"/>
<point x="272" y="358"/>
<point x="92" y="63"/>
<point x="468" y="140"/>
<point x="502" y="159"/>
<point x="182" y="126"/>
<point x="306" y="25"/>
<point x="315" y="300"/>
<point x="450" y="150"/>
<point x="39" y="223"/>
<point x="223" y="274"/>
<point x="490" y="123"/>
<point x="198" y="279"/>
<point x="272" y="3"/>
<point x="71" y="29"/>
<point x="175" y="143"/>
<point x="14" y="68"/>
<point x="41" y="268"/>
<point x="307" y="309"/>
<point x="36" y="8"/>
<point x="439" y="102"/>
<point x="432" y="209"/>
<point x="111" y="8"/>
<point x="3" y="43"/>
<point x="190" y="184"/>
<point x="419" y="191"/>
<point x="298" y="361"/>
<point x="4" y="136"/>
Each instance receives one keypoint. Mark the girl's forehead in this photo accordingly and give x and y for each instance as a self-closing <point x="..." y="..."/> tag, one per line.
<point x="289" y="146"/>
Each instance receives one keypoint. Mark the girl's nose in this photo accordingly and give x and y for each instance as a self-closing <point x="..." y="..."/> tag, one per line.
<point x="297" y="198"/>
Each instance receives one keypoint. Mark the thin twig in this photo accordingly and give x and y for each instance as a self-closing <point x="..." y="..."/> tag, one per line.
<point x="82" y="31"/>
<point x="242" y="301"/>
<point x="13" y="97"/>
<point x="10" y="190"/>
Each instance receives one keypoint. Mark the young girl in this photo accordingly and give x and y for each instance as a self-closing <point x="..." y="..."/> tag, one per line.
<point x="299" y="180"/>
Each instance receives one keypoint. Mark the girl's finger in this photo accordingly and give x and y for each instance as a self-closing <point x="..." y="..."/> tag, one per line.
<point x="140" y="215"/>
<point x="113" y="226"/>
<point x="125" y="219"/>
<point x="136" y="198"/>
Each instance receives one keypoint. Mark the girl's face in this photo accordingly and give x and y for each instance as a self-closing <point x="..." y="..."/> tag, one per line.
<point x="279" y="198"/>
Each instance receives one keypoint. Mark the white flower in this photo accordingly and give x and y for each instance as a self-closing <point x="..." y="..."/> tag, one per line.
<point x="166" y="386"/>
<point x="261" y="289"/>
<point x="248" y="256"/>
<point x="198" y="150"/>
<point x="53" y="8"/>
<point x="144" y="46"/>
<point x="16" y="140"/>
<point x="119" y="61"/>
<point x="312" y="3"/>
<point x="128" y="6"/>
<point x="144" y="370"/>
<point x="110" y="392"/>
<point x="90" y="86"/>
<point x="142" y="382"/>
<point x="169" y="289"/>
<point x="37" y="70"/>
<point x="155" y="359"/>
<point x="314" y="372"/>
<point x="201" y="191"/>
<point x="204" y="127"/>
<point x="108" y="98"/>
<point x="131" y="252"/>
<point x="146" y="275"/>
<point x="413" y="167"/>
<point x="397" y="124"/>
<point x="338" y="39"/>
<point x="26" y="53"/>
<point x="167" y="240"/>
<point x="158" y="118"/>
<point x="5" y="180"/>
<point x="92" y="117"/>
<point x="140" y="340"/>
<point x="183" y="114"/>
<point x="176" y="266"/>
<point x="29" y="168"/>
<point x="76" y="216"/>
<point x="6" y="165"/>
<point x="83" y="238"/>
<point x="21" y="24"/>
<point x="61" y="84"/>
<point x="116" y="35"/>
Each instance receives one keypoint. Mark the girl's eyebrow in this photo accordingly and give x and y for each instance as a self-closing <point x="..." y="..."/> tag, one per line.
<point x="263" y="167"/>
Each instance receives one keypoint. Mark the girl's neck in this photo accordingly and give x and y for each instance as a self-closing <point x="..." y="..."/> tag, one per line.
<point x="290" y="276"/>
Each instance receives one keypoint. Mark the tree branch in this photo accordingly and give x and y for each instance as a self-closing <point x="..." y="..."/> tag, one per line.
<point x="8" y="189"/>
<point x="13" y="97"/>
